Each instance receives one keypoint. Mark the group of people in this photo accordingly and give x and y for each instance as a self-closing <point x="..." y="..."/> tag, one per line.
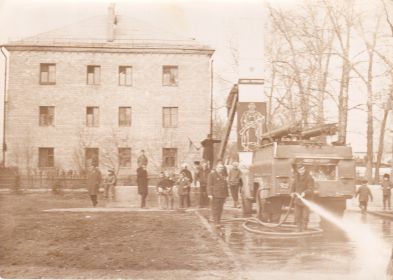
<point x="172" y="187"/>
<point x="365" y="195"/>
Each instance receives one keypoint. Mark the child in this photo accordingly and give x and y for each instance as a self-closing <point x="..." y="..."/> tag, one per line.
<point x="386" y="186"/>
<point x="364" y="194"/>
<point x="110" y="183"/>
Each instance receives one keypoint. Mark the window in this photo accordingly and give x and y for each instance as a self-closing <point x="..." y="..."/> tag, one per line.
<point x="46" y="157"/>
<point x="125" y="76"/>
<point x="47" y="73"/>
<point x="169" y="75"/>
<point x="169" y="156"/>
<point x="124" y="116"/>
<point x="125" y="157"/>
<point x="93" y="74"/>
<point x="47" y="115"/>
<point x="92" y="116"/>
<point x="169" y="116"/>
<point x="92" y="156"/>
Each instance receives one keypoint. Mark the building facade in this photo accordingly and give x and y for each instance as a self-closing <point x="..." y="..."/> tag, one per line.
<point x="103" y="90"/>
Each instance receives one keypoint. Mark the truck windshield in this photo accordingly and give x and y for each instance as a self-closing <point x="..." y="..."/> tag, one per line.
<point x="322" y="169"/>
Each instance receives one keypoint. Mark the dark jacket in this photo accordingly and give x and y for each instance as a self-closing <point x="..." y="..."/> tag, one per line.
<point x="203" y="174"/>
<point x="93" y="180"/>
<point x="217" y="185"/>
<point x="303" y="183"/>
<point x="364" y="193"/>
<point x="183" y="186"/>
<point x="142" y="180"/>
<point x="166" y="185"/>
<point x="187" y="173"/>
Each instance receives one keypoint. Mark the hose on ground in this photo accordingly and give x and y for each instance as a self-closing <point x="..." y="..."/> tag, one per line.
<point x="287" y="229"/>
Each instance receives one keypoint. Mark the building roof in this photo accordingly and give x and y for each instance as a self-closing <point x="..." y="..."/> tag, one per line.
<point x="129" y="33"/>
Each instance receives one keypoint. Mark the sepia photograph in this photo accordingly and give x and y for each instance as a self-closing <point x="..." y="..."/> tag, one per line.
<point x="196" y="139"/>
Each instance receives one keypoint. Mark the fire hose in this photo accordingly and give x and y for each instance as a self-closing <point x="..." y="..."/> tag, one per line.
<point x="280" y="229"/>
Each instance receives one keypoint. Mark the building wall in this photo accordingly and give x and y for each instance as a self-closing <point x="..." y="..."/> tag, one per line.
<point x="71" y="95"/>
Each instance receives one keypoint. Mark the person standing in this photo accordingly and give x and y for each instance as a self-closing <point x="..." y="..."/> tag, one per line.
<point x="142" y="181"/>
<point x="364" y="194"/>
<point x="302" y="185"/>
<point x="110" y="183"/>
<point x="183" y="185"/>
<point x="93" y="182"/>
<point x="197" y="168"/>
<point x="235" y="182"/>
<point x="142" y="159"/>
<point x="386" y="186"/>
<point x="218" y="191"/>
<point x="202" y="178"/>
<point x="164" y="190"/>
<point x="208" y="149"/>
<point x="188" y="174"/>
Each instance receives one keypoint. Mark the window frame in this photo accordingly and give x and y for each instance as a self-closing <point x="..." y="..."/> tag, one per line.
<point x="40" y="123"/>
<point x="129" y="151"/>
<point x="176" y="78"/>
<point x="50" y="160"/>
<point x="128" y="124"/>
<point x="171" y="115"/>
<point x="97" y="155"/>
<point x="125" y="67"/>
<point x="96" y="77"/>
<point x="48" y="82"/>
<point x="94" y="123"/>
<point x="166" y="154"/>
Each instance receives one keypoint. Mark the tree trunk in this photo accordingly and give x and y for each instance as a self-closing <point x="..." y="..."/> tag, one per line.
<point x="380" y="146"/>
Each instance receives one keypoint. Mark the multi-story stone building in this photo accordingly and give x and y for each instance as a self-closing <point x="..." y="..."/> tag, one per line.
<point x="104" y="89"/>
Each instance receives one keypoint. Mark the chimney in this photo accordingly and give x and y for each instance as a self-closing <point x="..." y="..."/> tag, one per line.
<point x="111" y="22"/>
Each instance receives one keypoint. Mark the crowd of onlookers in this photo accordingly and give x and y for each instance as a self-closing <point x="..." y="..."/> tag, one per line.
<point x="174" y="189"/>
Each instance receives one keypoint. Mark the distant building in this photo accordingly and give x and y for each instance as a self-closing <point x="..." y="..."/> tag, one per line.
<point x="103" y="89"/>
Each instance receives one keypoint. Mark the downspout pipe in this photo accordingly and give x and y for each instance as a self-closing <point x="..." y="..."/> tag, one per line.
<point x="4" y="101"/>
<point x="211" y="97"/>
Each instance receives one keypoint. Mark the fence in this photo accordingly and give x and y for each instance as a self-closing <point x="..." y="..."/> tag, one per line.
<point x="52" y="179"/>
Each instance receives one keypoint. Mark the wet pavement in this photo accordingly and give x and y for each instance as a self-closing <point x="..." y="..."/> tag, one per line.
<point x="332" y="253"/>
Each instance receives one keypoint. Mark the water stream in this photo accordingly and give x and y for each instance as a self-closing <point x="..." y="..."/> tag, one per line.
<point x="371" y="252"/>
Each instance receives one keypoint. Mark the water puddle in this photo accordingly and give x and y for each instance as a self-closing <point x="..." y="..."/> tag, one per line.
<point x="357" y="248"/>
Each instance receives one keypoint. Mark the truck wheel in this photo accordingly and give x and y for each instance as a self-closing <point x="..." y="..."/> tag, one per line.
<point x="247" y="206"/>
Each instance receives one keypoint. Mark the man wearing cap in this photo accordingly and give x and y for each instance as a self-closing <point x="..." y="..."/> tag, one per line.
<point x="302" y="185"/>
<point x="93" y="182"/>
<point x="218" y="191"/>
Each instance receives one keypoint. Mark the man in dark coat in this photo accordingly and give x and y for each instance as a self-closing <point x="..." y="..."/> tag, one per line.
<point x="303" y="185"/>
<point x="93" y="182"/>
<point x="202" y="176"/>
<point x="188" y="174"/>
<point x="142" y="181"/>
<point x="217" y="189"/>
